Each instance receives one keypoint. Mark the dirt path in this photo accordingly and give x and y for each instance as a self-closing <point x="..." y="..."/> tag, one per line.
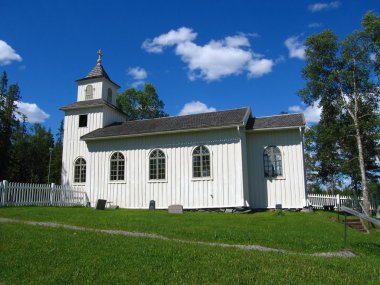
<point x="156" y="236"/>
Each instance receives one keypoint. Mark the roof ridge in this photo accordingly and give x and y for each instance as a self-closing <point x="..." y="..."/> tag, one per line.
<point x="176" y="116"/>
<point x="278" y="115"/>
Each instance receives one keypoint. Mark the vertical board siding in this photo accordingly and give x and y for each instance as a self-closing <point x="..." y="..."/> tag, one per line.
<point x="73" y="147"/>
<point x="288" y="190"/>
<point x="179" y="186"/>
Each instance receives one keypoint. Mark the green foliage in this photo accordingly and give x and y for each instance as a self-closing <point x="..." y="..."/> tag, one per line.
<point x="9" y="95"/>
<point x="30" y="155"/>
<point x="75" y="257"/>
<point x="371" y="25"/>
<point x="141" y="104"/>
<point x="340" y="79"/>
<point x="24" y="148"/>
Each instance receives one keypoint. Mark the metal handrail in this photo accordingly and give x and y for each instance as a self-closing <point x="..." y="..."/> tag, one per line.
<point x="360" y="215"/>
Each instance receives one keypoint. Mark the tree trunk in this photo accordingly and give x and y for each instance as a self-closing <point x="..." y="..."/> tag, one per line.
<point x="332" y="183"/>
<point x="366" y="203"/>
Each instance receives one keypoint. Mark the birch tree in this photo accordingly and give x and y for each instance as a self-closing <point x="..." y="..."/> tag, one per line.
<point x="342" y="74"/>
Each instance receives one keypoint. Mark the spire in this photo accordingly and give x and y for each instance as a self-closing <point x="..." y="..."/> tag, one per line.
<point x="100" y="54"/>
<point x="98" y="71"/>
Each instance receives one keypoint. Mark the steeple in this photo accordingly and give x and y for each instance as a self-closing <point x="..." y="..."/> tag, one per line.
<point x="97" y="84"/>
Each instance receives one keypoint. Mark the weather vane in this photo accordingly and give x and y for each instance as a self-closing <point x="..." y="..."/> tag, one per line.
<point x="100" y="56"/>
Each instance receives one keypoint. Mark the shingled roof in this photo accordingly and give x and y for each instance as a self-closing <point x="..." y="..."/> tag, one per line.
<point x="236" y="117"/>
<point x="97" y="72"/>
<point x="274" y="122"/>
<point x="89" y="104"/>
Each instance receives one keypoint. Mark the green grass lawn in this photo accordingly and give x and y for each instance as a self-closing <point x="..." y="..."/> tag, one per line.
<point x="40" y="255"/>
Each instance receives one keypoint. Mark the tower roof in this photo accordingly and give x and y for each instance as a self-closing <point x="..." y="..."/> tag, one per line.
<point x="98" y="71"/>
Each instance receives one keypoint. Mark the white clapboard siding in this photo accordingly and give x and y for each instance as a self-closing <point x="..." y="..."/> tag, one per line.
<point x="28" y="194"/>
<point x="288" y="190"/>
<point x="223" y="189"/>
<point x="100" y="89"/>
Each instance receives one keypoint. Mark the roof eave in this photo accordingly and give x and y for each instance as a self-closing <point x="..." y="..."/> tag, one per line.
<point x="161" y="133"/>
<point x="276" y="128"/>
<point x="97" y="77"/>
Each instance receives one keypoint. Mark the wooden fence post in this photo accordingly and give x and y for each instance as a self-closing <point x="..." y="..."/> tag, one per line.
<point x="52" y="186"/>
<point x="338" y="201"/>
<point x="4" y="192"/>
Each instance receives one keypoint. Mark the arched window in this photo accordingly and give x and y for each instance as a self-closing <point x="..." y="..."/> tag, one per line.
<point x="89" y="92"/>
<point x="272" y="162"/>
<point x="117" y="165"/>
<point x="109" y="95"/>
<point x="80" y="170"/>
<point x="157" y="165"/>
<point x="201" y="162"/>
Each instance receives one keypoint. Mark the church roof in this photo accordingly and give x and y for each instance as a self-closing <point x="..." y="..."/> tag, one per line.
<point x="228" y="118"/>
<point x="236" y="117"/>
<point x="97" y="72"/>
<point x="89" y="104"/>
<point x="275" y="122"/>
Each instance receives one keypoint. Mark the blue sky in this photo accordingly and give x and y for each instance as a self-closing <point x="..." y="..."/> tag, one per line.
<point x="200" y="55"/>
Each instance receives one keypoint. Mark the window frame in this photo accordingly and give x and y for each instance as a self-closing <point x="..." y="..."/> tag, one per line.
<point x="124" y="167"/>
<point x="194" y="178"/>
<point x="80" y="182"/>
<point x="88" y="96"/>
<point x="109" y="94"/>
<point x="156" y="180"/>
<point x="278" y="177"/>
<point x="80" y="122"/>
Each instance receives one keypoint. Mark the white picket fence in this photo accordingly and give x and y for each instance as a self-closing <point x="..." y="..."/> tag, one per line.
<point x="320" y="200"/>
<point x="27" y="194"/>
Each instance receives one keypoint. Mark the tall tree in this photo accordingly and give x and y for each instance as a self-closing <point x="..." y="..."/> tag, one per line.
<point x="9" y="95"/>
<point x="40" y="141"/>
<point x="339" y="74"/>
<point x="56" y="159"/>
<point x="19" y="159"/>
<point x="141" y="104"/>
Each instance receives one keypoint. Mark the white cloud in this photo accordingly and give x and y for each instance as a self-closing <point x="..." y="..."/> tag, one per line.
<point x="195" y="107"/>
<point x="8" y="54"/>
<point x="314" y="25"/>
<point x="317" y="7"/>
<point x="137" y="73"/>
<point x="372" y="56"/>
<point x="312" y="113"/>
<point x="214" y="60"/>
<point x="295" y="109"/>
<point x="171" y="38"/>
<point x="259" y="67"/>
<point x="32" y="112"/>
<point x="295" y="47"/>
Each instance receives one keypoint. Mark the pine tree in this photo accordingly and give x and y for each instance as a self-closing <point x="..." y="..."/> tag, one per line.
<point x="9" y="95"/>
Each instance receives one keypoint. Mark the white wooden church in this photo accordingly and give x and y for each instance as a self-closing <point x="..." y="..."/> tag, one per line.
<point x="212" y="160"/>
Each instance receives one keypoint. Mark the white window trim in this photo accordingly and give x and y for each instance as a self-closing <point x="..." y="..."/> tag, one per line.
<point x="109" y="169"/>
<point x="282" y="177"/>
<point x="207" y="178"/>
<point x="79" y="183"/>
<point x="166" y="167"/>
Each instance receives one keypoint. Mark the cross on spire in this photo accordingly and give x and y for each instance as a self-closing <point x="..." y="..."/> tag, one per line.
<point x="100" y="54"/>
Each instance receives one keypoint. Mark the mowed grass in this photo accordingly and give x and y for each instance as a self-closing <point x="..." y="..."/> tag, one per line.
<point x="298" y="232"/>
<point x="40" y="255"/>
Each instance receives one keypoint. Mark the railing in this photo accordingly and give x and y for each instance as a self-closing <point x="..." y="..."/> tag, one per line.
<point x="27" y="194"/>
<point x="318" y="201"/>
